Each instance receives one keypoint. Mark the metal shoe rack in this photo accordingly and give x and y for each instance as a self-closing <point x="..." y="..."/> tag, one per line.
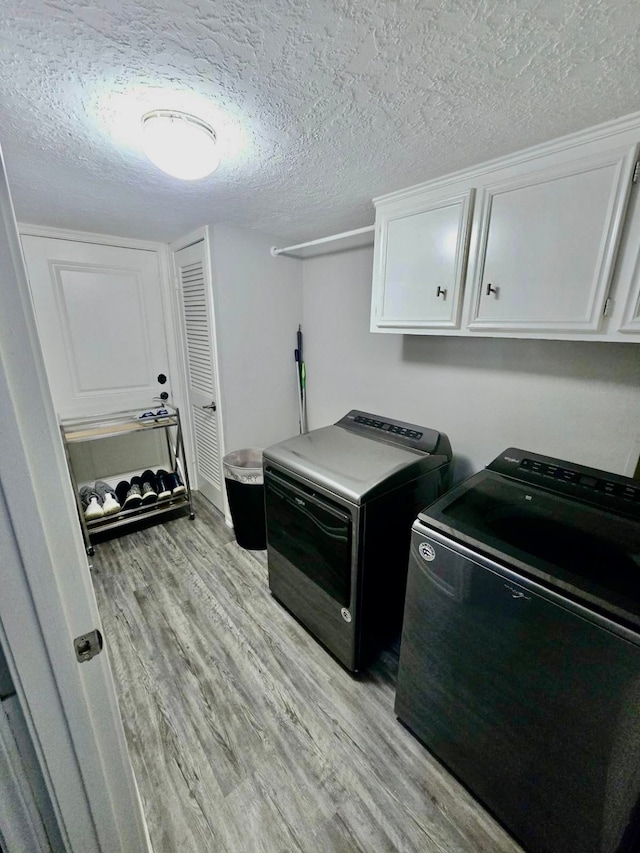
<point x="124" y="423"/>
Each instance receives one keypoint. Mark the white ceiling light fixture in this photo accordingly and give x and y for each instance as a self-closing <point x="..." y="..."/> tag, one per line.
<point x="180" y="144"/>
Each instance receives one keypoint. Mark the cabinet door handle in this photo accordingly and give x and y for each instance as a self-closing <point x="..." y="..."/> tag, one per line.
<point x="441" y="292"/>
<point x="491" y="289"/>
<point x="211" y="406"/>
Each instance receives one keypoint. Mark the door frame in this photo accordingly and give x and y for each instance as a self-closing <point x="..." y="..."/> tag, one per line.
<point x="71" y="709"/>
<point x="199" y="234"/>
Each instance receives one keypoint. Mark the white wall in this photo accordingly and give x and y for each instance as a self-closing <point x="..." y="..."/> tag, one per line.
<point x="258" y="306"/>
<point x="573" y="400"/>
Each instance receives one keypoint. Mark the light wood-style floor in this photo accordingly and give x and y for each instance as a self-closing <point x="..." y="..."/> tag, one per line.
<point x="245" y="735"/>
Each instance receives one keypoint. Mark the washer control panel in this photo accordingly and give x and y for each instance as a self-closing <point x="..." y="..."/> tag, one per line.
<point x="622" y="494"/>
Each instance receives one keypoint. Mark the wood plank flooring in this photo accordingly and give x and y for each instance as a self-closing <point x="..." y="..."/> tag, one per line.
<point x="245" y="735"/>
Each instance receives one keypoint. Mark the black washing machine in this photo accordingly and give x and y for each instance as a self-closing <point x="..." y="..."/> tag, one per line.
<point x="520" y="655"/>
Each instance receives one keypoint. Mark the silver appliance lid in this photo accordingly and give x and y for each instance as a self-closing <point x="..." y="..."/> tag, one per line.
<point x="353" y="462"/>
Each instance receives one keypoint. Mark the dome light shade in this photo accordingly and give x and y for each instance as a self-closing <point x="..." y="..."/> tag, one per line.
<point x="180" y="144"/>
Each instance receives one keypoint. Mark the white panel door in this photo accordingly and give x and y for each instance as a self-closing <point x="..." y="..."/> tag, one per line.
<point x="547" y="245"/>
<point x="47" y="597"/>
<point x="100" y="322"/>
<point x="420" y="264"/>
<point x="196" y="307"/>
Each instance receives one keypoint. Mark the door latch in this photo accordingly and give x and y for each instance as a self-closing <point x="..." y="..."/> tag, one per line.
<point x="88" y="645"/>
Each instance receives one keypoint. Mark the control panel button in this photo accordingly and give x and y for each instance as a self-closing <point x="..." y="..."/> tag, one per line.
<point x="588" y="482"/>
<point x="385" y="426"/>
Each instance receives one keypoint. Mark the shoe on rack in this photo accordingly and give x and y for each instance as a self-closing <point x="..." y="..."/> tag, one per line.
<point x="91" y="503"/>
<point x="147" y="493"/>
<point x="110" y="502"/>
<point x="149" y="485"/>
<point x="163" y="485"/>
<point x="162" y="412"/>
<point x="129" y="494"/>
<point x="177" y="486"/>
<point x="169" y="483"/>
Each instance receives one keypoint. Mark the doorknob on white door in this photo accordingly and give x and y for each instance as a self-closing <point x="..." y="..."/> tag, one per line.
<point x="211" y="406"/>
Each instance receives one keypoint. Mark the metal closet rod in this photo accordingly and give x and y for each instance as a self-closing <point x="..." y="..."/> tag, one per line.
<point x="275" y="252"/>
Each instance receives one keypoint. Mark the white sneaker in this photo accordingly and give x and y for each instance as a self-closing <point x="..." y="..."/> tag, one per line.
<point x="107" y="495"/>
<point x="91" y="502"/>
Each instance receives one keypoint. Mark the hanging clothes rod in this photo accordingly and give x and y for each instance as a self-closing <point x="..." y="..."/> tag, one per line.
<point x="288" y="250"/>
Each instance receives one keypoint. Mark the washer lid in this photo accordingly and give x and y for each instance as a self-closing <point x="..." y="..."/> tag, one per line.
<point x="349" y="464"/>
<point x="589" y="553"/>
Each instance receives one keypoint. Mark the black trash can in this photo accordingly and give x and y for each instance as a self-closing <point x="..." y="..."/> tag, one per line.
<point x="245" y="489"/>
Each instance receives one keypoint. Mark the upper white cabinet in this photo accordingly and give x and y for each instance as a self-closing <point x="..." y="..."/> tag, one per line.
<point x="541" y="244"/>
<point x="546" y="245"/>
<point x="420" y="263"/>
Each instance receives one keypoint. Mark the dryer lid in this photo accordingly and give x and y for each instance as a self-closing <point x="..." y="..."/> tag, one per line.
<point x="350" y="464"/>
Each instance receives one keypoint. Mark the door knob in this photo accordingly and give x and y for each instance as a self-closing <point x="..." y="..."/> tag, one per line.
<point x="441" y="291"/>
<point x="211" y="406"/>
<point x="491" y="289"/>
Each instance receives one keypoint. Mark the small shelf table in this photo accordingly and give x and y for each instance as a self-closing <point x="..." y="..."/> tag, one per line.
<point x="98" y="427"/>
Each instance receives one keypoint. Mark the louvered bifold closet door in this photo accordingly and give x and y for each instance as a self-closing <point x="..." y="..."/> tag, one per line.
<point x="199" y="357"/>
<point x="207" y="446"/>
<point x="196" y="326"/>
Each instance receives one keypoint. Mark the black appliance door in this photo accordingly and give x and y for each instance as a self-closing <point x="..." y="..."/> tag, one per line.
<point x="311" y="533"/>
<point x="532" y="706"/>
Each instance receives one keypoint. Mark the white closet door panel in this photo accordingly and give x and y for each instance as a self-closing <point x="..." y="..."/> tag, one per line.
<point x="197" y="328"/>
<point x="547" y="245"/>
<point x="103" y="362"/>
<point x="101" y="324"/>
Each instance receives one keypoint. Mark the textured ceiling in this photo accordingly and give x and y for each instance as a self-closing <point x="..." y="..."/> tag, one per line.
<point x="318" y="105"/>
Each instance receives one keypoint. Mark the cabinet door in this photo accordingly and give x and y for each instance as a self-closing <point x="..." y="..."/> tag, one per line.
<point x="631" y="317"/>
<point x="626" y="314"/>
<point x="546" y="245"/>
<point x="420" y="264"/>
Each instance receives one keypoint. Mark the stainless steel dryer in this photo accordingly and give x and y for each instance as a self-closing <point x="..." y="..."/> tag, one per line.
<point x="339" y="503"/>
